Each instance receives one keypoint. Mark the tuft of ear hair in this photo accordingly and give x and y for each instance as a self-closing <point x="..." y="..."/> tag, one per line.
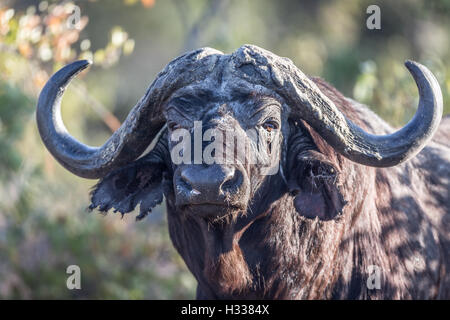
<point x="140" y="183"/>
<point x="314" y="182"/>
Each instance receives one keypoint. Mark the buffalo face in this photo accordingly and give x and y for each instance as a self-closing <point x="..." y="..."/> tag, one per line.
<point x="223" y="144"/>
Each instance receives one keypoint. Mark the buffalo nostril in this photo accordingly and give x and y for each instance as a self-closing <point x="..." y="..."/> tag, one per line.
<point x="228" y="173"/>
<point x="232" y="181"/>
<point x="186" y="179"/>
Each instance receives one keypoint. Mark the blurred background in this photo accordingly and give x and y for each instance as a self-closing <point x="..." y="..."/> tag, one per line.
<point x="44" y="225"/>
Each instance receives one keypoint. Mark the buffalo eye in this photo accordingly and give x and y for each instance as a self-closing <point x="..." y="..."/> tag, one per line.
<point x="269" y="126"/>
<point x="172" y="125"/>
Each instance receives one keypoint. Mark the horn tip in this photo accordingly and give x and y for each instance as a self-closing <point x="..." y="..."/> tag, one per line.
<point x="410" y="63"/>
<point x="413" y="66"/>
<point x="84" y="63"/>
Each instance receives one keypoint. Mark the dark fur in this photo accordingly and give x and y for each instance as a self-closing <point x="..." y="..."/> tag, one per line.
<point x="287" y="247"/>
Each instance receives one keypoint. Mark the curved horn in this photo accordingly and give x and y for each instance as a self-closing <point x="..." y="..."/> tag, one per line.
<point x="311" y="105"/>
<point x="380" y="150"/>
<point x="125" y="145"/>
<point x="134" y="135"/>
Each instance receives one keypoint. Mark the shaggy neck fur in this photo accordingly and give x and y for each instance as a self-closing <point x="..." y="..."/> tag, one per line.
<point x="275" y="253"/>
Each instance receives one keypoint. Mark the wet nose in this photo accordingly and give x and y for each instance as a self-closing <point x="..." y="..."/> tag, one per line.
<point x="210" y="181"/>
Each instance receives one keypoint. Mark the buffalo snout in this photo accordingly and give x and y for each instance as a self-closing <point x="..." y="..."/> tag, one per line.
<point x="210" y="190"/>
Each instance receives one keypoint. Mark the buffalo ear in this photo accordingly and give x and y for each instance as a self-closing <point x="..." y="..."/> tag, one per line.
<point x="140" y="182"/>
<point x="314" y="182"/>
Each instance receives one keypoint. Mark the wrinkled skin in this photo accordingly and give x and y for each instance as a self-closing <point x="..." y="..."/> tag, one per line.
<point x="222" y="190"/>
<point x="312" y="230"/>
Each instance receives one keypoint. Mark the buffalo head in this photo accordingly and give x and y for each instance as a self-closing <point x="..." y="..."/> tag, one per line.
<point x="244" y="117"/>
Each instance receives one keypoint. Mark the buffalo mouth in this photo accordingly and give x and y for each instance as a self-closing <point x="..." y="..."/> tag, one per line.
<point x="212" y="210"/>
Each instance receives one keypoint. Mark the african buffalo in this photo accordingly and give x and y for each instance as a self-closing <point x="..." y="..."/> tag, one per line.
<point x="337" y="205"/>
